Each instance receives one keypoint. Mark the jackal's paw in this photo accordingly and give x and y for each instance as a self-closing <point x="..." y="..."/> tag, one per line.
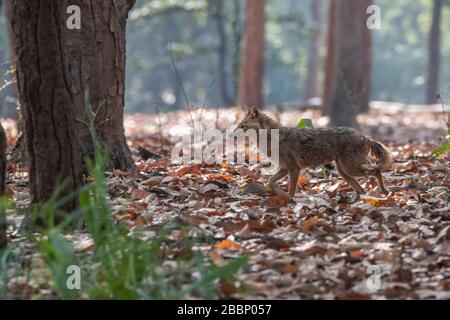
<point x="279" y="192"/>
<point x="386" y="191"/>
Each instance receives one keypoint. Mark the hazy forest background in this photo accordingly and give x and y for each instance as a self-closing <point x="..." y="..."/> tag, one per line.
<point x="205" y="39"/>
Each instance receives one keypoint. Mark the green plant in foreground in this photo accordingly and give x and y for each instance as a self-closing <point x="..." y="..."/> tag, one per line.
<point x="123" y="266"/>
<point x="4" y="255"/>
<point x="445" y="147"/>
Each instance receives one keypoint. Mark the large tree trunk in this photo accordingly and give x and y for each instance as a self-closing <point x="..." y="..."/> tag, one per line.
<point x="47" y="102"/>
<point x="434" y="54"/>
<point x="95" y="59"/>
<point x="2" y="186"/>
<point x="252" y="62"/>
<point x="94" y="62"/>
<point x="313" y="56"/>
<point x="351" y="65"/>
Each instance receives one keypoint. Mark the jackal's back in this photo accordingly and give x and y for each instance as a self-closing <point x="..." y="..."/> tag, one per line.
<point x="313" y="147"/>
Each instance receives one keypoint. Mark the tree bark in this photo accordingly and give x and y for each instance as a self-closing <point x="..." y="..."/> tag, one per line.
<point x="46" y="99"/>
<point x="351" y="64"/>
<point x="95" y="59"/>
<point x="3" y="226"/>
<point x="434" y="54"/>
<point x="252" y="60"/>
<point x="313" y="61"/>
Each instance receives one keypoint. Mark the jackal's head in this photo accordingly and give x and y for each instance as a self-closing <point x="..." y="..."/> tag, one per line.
<point x="256" y="120"/>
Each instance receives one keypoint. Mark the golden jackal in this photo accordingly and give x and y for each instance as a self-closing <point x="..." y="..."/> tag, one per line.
<point x="306" y="148"/>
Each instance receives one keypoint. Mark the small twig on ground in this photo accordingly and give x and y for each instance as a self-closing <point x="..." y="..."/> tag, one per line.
<point x="160" y="135"/>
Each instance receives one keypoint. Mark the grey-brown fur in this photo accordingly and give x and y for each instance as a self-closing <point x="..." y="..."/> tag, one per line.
<point x="306" y="148"/>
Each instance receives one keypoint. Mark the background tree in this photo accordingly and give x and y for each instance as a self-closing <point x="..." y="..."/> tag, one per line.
<point x="350" y="76"/>
<point x="2" y="176"/>
<point x="11" y="104"/>
<point x="400" y="51"/>
<point x="314" y="56"/>
<point x="367" y="60"/>
<point x="237" y="30"/>
<point x="47" y="103"/>
<point x="252" y="61"/>
<point x="434" y="53"/>
<point x="222" y="50"/>
<point x="330" y="58"/>
<point x="2" y="186"/>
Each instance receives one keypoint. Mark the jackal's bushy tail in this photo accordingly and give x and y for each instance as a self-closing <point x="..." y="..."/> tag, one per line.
<point x="382" y="153"/>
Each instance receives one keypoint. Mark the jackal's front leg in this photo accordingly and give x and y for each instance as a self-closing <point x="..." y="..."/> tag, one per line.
<point x="293" y="181"/>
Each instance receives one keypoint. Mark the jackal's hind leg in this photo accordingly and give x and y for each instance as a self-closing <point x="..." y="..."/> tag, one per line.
<point x="281" y="173"/>
<point x="380" y="180"/>
<point x="351" y="182"/>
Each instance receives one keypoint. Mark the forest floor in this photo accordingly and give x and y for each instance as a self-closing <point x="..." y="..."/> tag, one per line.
<point x="321" y="246"/>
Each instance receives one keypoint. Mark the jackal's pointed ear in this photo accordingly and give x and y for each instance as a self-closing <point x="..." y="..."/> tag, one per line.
<point x="254" y="112"/>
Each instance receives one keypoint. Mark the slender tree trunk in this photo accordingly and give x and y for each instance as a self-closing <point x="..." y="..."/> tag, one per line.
<point x="222" y="51"/>
<point x="95" y="59"/>
<point x="12" y="105"/>
<point x="3" y="225"/>
<point x="46" y="99"/>
<point x="237" y="41"/>
<point x="364" y="102"/>
<point x="434" y="54"/>
<point x="12" y="100"/>
<point x="7" y="7"/>
<point x="351" y="71"/>
<point x="252" y="63"/>
<point x="329" y="60"/>
<point x="313" y="57"/>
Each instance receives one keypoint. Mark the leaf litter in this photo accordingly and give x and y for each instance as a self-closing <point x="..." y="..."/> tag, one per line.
<point x="322" y="246"/>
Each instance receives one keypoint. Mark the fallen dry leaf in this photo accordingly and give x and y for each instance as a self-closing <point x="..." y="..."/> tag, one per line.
<point x="139" y="194"/>
<point x="228" y="245"/>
